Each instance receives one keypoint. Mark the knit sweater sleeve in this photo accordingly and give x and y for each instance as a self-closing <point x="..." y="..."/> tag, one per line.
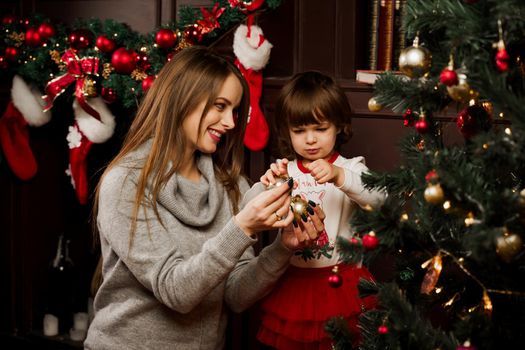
<point x="254" y="277"/>
<point x="353" y="186"/>
<point x="155" y="258"/>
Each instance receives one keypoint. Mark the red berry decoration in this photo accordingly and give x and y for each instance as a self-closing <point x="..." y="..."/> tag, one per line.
<point x="33" y="37"/>
<point x="448" y="77"/>
<point x="124" y="61"/>
<point x="108" y="95"/>
<point x="382" y="329"/>
<point x="142" y="61"/>
<point x="502" y="60"/>
<point x="80" y="39"/>
<point x="409" y="118"/>
<point x="46" y="31"/>
<point x="422" y="126"/>
<point x="8" y="19"/>
<point x="166" y="38"/>
<point x="193" y="33"/>
<point x="24" y="22"/>
<point x="370" y="241"/>
<point x="335" y="280"/>
<point x="10" y="53"/>
<point x="147" y="82"/>
<point x="105" y="44"/>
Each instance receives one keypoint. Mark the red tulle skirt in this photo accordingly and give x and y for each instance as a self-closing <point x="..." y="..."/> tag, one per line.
<point x="294" y="314"/>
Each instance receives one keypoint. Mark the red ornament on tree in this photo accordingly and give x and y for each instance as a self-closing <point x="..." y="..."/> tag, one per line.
<point x="502" y="60"/>
<point x="422" y="125"/>
<point x="105" y="44"/>
<point x="448" y="77"/>
<point x="108" y="95"/>
<point x="8" y="19"/>
<point x="370" y="241"/>
<point x="124" y="61"/>
<point x="472" y="120"/>
<point x="335" y="280"/>
<point x="165" y="38"/>
<point x="147" y="82"/>
<point x="170" y="55"/>
<point x="382" y="329"/>
<point x="193" y="33"/>
<point x="10" y="53"/>
<point x="409" y="118"/>
<point x="33" y="37"/>
<point x="24" y="22"/>
<point x="46" y="31"/>
<point x="80" y="39"/>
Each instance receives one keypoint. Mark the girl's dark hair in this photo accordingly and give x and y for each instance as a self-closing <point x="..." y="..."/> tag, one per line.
<point x="310" y="98"/>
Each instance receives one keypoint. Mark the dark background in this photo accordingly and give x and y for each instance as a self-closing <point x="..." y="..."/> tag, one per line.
<point x="329" y="36"/>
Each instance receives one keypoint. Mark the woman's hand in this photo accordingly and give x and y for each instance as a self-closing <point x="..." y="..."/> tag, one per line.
<point x="301" y="234"/>
<point x="267" y="211"/>
<point x="277" y="169"/>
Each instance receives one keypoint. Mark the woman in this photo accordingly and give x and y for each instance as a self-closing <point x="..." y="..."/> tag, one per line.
<point x="175" y="238"/>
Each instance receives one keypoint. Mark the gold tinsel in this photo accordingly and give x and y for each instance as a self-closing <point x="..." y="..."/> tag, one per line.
<point x="18" y="38"/>
<point x="106" y="70"/>
<point x="183" y="43"/>
<point x="138" y="74"/>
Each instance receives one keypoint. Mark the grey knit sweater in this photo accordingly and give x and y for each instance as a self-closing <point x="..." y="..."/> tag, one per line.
<point x="171" y="290"/>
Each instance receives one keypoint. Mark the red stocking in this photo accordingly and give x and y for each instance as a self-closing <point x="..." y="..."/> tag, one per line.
<point x="14" y="138"/>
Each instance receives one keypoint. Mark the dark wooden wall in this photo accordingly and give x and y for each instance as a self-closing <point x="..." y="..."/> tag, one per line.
<point x="329" y="36"/>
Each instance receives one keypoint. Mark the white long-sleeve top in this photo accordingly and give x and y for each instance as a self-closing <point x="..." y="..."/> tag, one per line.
<point x="337" y="203"/>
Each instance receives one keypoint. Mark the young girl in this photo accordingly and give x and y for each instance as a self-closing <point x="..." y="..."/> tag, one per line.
<point x="175" y="234"/>
<point x="314" y="121"/>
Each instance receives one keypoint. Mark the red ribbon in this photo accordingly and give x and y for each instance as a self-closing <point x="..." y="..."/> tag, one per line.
<point x="77" y="71"/>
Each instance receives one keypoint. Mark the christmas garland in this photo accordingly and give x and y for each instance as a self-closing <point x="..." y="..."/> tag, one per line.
<point x="107" y="58"/>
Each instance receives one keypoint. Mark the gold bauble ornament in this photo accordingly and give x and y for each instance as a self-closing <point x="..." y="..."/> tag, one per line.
<point x="508" y="245"/>
<point x="373" y="106"/>
<point x="299" y="206"/>
<point x="434" y="194"/>
<point x="462" y="92"/>
<point x="415" y="61"/>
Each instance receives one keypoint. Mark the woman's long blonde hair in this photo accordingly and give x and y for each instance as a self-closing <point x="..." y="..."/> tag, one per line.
<point x="193" y="75"/>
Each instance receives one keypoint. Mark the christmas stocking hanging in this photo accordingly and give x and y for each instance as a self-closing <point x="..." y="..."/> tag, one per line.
<point x="25" y="108"/>
<point x="253" y="52"/>
<point x="82" y="135"/>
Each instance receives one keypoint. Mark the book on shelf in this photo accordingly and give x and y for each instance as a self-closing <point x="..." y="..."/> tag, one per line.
<point x="368" y="76"/>
<point x="386" y="33"/>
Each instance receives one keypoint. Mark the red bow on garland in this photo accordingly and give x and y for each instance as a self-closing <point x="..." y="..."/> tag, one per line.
<point x="246" y="6"/>
<point x="77" y="71"/>
<point x="209" y="19"/>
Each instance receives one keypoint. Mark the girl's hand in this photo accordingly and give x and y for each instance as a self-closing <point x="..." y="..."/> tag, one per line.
<point x="277" y="169"/>
<point x="301" y="234"/>
<point x="323" y="171"/>
<point x="267" y="211"/>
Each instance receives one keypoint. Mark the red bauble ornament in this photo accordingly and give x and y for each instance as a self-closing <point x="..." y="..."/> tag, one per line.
<point x="354" y="241"/>
<point x="409" y="118"/>
<point x="382" y="329"/>
<point x="170" y="55"/>
<point x="448" y="77"/>
<point x="142" y="61"/>
<point x="46" y="31"/>
<point x="33" y="37"/>
<point x="8" y="19"/>
<point x="147" y="82"/>
<point x="108" y="95"/>
<point x="193" y="33"/>
<point x="10" y="53"/>
<point x="421" y="126"/>
<point x="124" y="61"/>
<point x="502" y="60"/>
<point x="370" y="241"/>
<point x="80" y="39"/>
<point x="472" y="120"/>
<point x="335" y="280"/>
<point x="105" y="44"/>
<point x="166" y="38"/>
<point x="24" y="22"/>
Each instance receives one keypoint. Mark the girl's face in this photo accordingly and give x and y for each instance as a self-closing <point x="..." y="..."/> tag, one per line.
<point x="314" y="141"/>
<point x="219" y="119"/>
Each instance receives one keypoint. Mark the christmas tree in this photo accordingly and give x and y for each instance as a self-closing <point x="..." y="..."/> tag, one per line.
<point x="454" y="220"/>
